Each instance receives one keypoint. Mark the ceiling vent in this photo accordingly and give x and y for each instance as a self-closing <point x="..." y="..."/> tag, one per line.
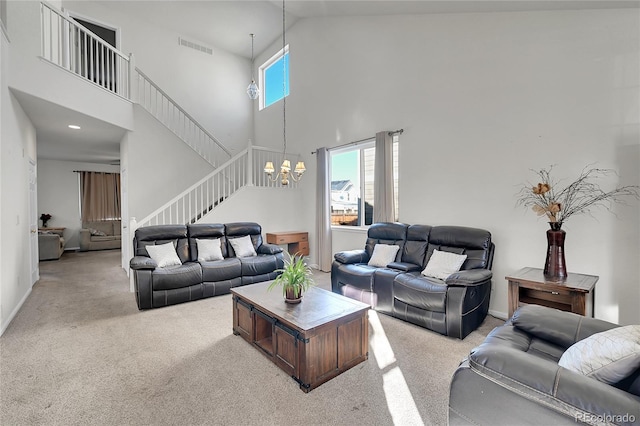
<point x="193" y="45"/>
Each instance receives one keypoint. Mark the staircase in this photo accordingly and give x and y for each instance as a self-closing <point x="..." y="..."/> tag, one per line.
<point x="69" y="45"/>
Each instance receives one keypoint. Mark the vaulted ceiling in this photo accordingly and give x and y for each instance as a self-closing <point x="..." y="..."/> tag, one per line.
<point x="225" y="24"/>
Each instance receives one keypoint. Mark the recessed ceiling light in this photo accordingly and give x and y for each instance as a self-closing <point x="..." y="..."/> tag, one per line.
<point x="74" y="126"/>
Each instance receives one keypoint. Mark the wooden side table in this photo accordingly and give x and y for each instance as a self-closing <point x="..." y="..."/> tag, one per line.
<point x="297" y="242"/>
<point x="576" y="293"/>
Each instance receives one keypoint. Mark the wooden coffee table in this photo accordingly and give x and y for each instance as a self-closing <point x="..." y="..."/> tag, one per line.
<point x="313" y="341"/>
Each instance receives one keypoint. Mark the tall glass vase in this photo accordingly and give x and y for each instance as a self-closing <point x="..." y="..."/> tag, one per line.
<point x="555" y="267"/>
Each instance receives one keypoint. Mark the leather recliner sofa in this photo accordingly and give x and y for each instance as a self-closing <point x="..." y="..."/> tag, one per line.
<point x="514" y="376"/>
<point x="453" y="307"/>
<point x="193" y="279"/>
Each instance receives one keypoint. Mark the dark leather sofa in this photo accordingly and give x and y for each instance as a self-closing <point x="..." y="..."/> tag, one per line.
<point x="193" y="279"/>
<point x="453" y="307"/>
<point x="513" y="377"/>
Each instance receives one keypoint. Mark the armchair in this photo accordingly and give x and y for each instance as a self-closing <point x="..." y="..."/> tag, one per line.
<point x="513" y="377"/>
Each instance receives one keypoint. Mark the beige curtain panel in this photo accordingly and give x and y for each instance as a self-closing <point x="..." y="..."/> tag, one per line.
<point x="100" y="196"/>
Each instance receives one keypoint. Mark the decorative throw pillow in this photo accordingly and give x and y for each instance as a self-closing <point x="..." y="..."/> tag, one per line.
<point x="243" y="246"/>
<point x="97" y="232"/>
<point x="442" y="264"/>
<point x="609" y="356"/>
<point x="209" y="250"/>
<point x="383" y="254"/>
<point x="164" y="255"/>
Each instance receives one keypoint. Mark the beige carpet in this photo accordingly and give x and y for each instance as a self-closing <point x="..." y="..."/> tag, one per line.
<point x="80" y="353"/>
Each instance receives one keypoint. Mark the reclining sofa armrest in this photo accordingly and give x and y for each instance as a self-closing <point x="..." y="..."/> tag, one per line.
<point x="575" y="395"/>
<point x="469" y="277"/>
<point x="352" y="256"/>
<point x="142" y="262"/>
<point x="558" y="327"/>
<point x="269" y="249"/>
<point x="404" y="266"/>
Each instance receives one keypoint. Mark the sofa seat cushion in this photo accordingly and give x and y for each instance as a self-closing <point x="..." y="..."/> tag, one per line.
<point x="105" y="238"/>
<point x="258" y="265"/>
<point x="221" y="270"/>
<point x="421" y="292"/>
<point x="358" y="275"/>
<point x="179" y="276"/>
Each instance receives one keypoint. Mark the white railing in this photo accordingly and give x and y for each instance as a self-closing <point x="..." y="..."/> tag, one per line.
<point x="205" y="195"/>
<point x="73" y="47"/>
<point x="176" y="119"/>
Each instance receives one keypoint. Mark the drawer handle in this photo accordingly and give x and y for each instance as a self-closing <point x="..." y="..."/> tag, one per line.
<point x="554" y="292"/>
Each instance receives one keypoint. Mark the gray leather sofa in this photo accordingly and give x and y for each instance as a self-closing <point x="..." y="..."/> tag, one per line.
<point x="454" y="307"/>
<point x="193" y="279"/>
<point x="513" y="377"/>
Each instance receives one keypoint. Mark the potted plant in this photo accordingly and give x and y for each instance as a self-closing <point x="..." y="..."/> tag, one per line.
<point x="294" y="278"/>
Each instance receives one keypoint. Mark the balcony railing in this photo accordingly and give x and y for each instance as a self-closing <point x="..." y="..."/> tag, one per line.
<point x="75" y="48"/>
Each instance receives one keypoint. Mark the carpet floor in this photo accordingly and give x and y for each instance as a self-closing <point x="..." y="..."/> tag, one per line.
<point x="80" y="353"/>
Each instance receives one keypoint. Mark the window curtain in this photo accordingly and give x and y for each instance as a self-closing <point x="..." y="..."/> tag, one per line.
<point x="383" y="206"/>
<point x="323" y="207"/>
<point x="100" y="195"/>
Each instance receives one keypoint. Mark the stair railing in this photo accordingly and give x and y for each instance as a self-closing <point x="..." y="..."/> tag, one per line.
<point x="244" y="169"/>
<point x="168" y="112"/>
<point x="75" y="48"/>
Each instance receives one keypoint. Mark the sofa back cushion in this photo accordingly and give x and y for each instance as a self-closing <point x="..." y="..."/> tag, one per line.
<point x="475" y="243"/>
<point x="202" y="231"/>
<point x="104" y="226"/>
<point x="386" y="233"/>
<point x="162" y="234"/>
<point x="240" y="229"/>
<point x="415" y="248"/>
<point x="117" y="228"/>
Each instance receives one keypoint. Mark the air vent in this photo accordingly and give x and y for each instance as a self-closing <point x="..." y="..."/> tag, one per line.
<point x="193" y="45"/>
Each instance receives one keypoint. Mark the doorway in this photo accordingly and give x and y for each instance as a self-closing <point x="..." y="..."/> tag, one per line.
<point x="95" y="60"/>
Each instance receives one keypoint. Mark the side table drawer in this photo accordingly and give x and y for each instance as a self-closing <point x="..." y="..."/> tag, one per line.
<point x="300" y="248"/>
<point x="553" y="299"/>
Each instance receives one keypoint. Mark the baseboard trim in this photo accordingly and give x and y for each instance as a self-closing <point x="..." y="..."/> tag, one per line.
<point x="498" y="314"/>
<point x="15" y="312"/>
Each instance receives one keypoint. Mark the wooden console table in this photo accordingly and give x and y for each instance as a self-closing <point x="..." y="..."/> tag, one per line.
<point x="297" y="242"/>
<point x="576" y="293"/>
<point x="312" y="341"/>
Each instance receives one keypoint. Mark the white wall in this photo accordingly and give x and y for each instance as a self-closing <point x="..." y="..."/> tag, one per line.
<point x="159" y="167"/>
<point x="59" y="195"/>
<point x="483" y="98"/>
<point x="275" y="209"/>
<point x="210" y="88"/>
<point x="39" y="78"/>
<point x="17" y="147"/>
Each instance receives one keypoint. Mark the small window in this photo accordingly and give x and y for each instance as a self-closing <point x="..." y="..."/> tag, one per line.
<point x="274" y="85"/>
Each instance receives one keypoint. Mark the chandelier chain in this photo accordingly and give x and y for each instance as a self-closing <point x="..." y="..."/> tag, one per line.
<point x="284" y="84"/>
<point x="252" y="37"/>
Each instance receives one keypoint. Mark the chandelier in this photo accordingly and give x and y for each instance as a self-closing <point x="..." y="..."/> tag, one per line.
<point x="285" y="169"/>
<point x="253" y="90"/>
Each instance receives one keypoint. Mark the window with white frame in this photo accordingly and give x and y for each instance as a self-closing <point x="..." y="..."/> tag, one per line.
<point x="274" y="78"/>
<point x="352" y="183"/>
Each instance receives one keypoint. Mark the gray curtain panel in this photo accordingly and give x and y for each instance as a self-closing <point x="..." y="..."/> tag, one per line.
<point x="323" y="204"/>
<point x="383" y="208"/>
